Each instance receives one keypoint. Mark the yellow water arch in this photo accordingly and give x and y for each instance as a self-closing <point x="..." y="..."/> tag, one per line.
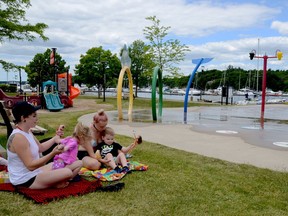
<point x="119" y="92"/>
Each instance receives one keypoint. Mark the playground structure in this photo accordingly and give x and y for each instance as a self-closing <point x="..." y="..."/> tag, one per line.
<point x="9" y="101"/>
<point x="72" y="92"/>
<point x="53" y="101"/>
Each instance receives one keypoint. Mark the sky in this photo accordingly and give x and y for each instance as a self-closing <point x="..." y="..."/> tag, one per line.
<point x="225" y="30"/>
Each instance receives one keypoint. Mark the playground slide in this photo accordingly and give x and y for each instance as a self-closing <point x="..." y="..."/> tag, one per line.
<point x="74" y="92"/>
<point x="53" y="102"/>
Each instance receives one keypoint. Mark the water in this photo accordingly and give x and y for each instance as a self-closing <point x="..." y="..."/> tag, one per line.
<point x="245" y="120"/>
<point x="213" y="98"/>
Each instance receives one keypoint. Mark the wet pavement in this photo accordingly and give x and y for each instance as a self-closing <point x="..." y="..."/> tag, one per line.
<point x="241" y="121"/>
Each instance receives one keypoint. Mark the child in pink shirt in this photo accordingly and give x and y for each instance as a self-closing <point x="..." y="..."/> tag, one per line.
<point x="80" y="136"/>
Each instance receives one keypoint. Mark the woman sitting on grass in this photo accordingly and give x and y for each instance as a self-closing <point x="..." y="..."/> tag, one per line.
<point x="25" y="166"/>
<point x="86" y="153"/>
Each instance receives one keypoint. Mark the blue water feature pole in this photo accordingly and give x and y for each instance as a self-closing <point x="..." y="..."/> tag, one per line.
<point x="198" y="62"/>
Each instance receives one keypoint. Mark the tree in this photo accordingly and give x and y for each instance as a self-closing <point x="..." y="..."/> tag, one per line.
<point x="98" y="67"/>
<point x="166" y="53"/>
<point x="141" y="62"/>
<point x="39" y="69"/>
<point x="14" y="26"/>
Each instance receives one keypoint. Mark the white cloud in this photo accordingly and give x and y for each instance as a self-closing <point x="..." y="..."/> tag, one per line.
<point x="281" y="27"/>
<point x="76" y="26"/>
<point x="236" y="53"/>
<point x="204" y="19"/>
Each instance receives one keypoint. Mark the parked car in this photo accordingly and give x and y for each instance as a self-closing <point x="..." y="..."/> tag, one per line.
<point x="178" y="91"/>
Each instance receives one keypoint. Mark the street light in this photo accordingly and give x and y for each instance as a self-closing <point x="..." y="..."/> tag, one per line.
<point x="104" y="78"/>
<point x="53" y="62"/>
<point x="20" y="80"/>
<point x="252" y="55"/>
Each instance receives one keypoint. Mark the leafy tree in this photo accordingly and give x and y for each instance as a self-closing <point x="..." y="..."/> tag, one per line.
<point x="283" y="75"/>
<point x="93" y="65"/>
<point x="275" y="81"/>
<point x="166" y="53"/>
<point x="235" y="78"/>
<point x="14" y="26"/>
<point x="7" y="66"/>
<point x="39" y="69"/>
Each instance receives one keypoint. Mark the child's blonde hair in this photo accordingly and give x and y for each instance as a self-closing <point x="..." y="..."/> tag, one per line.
<point x="82" y="132"/>
<point x="108" y="131"/>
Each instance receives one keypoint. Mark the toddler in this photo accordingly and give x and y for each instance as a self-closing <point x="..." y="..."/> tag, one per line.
<point x="112" y="153"/>
<point x="70" y="144"/>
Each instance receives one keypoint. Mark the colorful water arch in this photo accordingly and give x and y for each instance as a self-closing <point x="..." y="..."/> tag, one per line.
<point x="198" y="62"/>
<point x="157" y="73"/>
<point x="119" y="92"/>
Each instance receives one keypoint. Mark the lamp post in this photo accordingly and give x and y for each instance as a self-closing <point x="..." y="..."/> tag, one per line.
<point x="265" y="58"/>
<point x="20" y="80"/>
<point x="104" y="78"/>
<point x="53" y="63"/>
<point x="67" y="79"/>
<point x="104" y="85"/>
<point x="40" y="76"/>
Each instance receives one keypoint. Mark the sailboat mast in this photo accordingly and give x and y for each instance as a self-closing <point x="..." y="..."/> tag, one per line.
<point x="239" y="86"/>
<point x="257" y="83"/>
<point x="249" y="82"/>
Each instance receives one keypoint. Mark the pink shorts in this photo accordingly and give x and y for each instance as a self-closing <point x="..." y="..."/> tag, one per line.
<point x="57" y="164"/>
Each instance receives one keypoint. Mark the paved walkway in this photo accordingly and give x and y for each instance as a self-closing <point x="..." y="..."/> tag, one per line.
<point x="222" y="146"/>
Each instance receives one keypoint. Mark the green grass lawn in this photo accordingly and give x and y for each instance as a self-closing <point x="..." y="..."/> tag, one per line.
<point x="176" y="183"/>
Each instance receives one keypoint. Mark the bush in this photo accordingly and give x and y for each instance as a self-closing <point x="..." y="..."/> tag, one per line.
<point x="4" y="87"/>
<point x="8" y="88"/>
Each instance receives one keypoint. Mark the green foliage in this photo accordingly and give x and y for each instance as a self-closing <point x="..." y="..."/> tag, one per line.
<point x="141" y="63"/>
<point x="8" y="88"/>
<point x="166" y="53"/>
<point x="94" y="63"/>
<point x="14" y="26"/>
<point x="275" y="80"/>
<point x="7" y="66"/>
<point x="12" y="22"/>
<point x="237" y="78"/>
<point x="39" y="69"/>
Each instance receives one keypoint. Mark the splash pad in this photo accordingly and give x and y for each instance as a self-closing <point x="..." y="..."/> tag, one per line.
<point x="227" y="120"/>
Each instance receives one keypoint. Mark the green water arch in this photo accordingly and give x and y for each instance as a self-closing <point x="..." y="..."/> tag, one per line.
<point x="157" y="73"/>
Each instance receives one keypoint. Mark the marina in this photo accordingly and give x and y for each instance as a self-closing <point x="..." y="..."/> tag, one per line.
<point x="234" y="99"/>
